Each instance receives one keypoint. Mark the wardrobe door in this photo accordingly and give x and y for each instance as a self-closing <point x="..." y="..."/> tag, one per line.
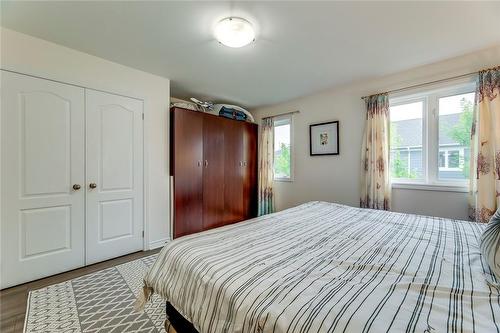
<point x="213" y="172"/>
<point x="233" y="175"/>
<point x="250" y="170"/>
<point x="187" y="154"/>
<point x="114" y="175"/>
<point x="42" y="190"/>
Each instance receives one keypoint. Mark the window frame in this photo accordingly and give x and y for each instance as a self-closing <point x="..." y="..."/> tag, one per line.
<point x="430" y="134"/>
<point x="289" y="120"/>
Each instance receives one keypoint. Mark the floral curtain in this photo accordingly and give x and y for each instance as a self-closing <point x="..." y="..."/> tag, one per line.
<point x="484" y="190"/>
<point x="266" y="167"/>
<point x="375" y="180"/>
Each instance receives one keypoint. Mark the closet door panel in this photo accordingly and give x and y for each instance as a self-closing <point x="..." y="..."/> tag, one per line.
<point x="250" y="170"/>
<point x="114" y="175"/>
<point x="233" y="175"/>
<point x="42" y="229"/>
<point x="213" y="172"/>
<point x="187" y="155"/>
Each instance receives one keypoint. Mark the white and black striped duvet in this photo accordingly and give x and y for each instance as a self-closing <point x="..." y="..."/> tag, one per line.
<point x="323" y="267"/>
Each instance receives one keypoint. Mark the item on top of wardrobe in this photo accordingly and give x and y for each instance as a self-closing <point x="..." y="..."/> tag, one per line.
<point x="189" y="106"/>
<point x="218" y="108"/>
<point x="206" y="105"/>
<point x="230" y="111"/>
<point x="232" y="114"/>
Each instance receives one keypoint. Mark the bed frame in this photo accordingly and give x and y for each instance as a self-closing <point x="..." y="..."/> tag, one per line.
<point x="177" y="321"/>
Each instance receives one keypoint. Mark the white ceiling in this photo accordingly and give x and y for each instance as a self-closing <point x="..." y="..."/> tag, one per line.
<point x="301" y="47"/>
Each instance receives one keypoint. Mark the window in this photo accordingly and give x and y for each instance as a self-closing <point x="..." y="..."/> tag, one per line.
<point x="406" y="140"/>
<point x="455" y="121"/>
<point x="451" y="160"/>
<point x="429" y="136"/>
<point x="283" y="148"/>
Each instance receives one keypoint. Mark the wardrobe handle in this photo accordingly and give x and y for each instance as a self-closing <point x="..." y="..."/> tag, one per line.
<point x="245" y="163"/>
<point x="76" y="187"/>
<point x="241" y="163"/>
<point x="206" y="163"/>
<point x="92" y="185"/>
<point x="199" y="163"/>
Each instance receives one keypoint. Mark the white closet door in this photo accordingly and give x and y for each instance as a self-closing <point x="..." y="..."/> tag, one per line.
<point x="114" y="175"/>
<point x="42" y="216"/>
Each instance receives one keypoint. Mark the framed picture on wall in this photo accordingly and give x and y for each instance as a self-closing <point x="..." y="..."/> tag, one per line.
<point x="324" y="138"/>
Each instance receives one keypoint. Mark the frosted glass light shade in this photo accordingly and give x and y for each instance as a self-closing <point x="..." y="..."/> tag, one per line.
<point x="234" y="32"/>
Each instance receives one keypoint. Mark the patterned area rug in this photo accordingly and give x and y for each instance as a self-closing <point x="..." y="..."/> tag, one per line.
<point x="98" y="302"/>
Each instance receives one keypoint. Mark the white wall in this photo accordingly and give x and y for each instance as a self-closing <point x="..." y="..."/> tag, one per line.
<point x="29" y="55"/>
<point x="337" y="178"/>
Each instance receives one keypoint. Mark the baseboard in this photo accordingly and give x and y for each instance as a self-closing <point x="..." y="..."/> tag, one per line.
<point x="158" y="243"/>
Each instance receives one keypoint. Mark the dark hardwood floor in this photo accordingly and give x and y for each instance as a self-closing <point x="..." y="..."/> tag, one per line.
<point x="13" y="300"/>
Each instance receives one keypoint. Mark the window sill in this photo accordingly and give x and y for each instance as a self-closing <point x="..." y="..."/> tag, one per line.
<point x="429" y="187"/>
<point x="286" y="180"/>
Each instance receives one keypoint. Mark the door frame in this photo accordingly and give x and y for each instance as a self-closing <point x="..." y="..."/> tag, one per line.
<point x="145" y="151"/>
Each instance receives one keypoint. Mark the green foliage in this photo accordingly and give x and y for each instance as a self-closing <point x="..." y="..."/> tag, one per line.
<point x="399" y="167"/>
<point x="282" y="161"/>
<point x="460" y="132"/>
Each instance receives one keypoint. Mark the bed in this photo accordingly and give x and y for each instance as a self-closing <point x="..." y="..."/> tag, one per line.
<point x="324" y="267"/>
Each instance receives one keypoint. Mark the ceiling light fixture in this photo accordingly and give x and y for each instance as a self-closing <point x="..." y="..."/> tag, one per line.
<point x="234" y="32"/>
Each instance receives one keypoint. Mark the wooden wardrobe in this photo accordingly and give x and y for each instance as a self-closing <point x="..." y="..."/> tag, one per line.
<point x="214" y="168"/>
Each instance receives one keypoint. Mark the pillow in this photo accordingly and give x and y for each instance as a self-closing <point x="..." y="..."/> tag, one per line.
<point x="490" y="244"/>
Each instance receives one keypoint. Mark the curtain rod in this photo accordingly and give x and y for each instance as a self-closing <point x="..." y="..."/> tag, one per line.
<point x="283" y="114"/>
<point x="426" y="83"/>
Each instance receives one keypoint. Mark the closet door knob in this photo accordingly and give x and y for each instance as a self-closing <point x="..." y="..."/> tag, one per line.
<point x="206" y="163"/>
<point x="92" y="185"/>
<point x="76" y="187"/>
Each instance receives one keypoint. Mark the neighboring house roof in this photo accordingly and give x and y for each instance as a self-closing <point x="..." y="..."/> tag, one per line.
<point x="410" y="131"/>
